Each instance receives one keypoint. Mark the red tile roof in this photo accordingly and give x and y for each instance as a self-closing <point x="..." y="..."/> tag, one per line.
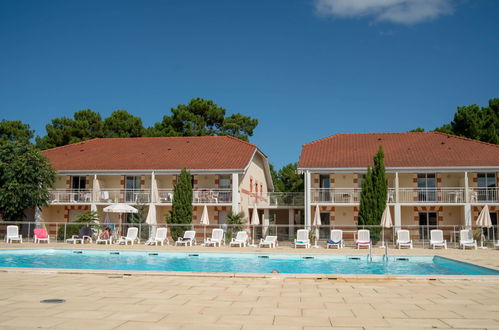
<point x="153" y="153"/>
<point x="426" y="149"/>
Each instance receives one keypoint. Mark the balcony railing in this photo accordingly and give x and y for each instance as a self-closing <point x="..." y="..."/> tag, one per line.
<point x="212" y="196"/>
<point x="277" y="199"/>
<point x="335" y="195"/>
<point x="484" y="195"/>
<point x="165" y="196"/>
<point x="431" y="195"/>
<point x="132" y="196"/>
<point x="70" y="196"/>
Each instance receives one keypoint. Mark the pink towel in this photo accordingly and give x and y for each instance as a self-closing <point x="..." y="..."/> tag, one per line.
<point x="40" y="233"/>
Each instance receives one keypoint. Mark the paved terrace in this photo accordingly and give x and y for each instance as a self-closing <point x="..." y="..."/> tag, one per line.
<point x="102" y="301"/>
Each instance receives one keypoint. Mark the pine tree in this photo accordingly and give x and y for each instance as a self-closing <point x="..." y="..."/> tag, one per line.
<point x="182" y="204"/>
<point x="373" y="196"/>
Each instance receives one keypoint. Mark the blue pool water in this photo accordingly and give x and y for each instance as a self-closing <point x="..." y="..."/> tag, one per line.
<point x="236" y="262"/>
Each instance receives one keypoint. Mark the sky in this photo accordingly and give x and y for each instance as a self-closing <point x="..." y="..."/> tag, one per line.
<point x="306" y="69"/>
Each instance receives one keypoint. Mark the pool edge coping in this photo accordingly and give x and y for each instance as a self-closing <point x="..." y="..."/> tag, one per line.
<point x="380" y="277"/>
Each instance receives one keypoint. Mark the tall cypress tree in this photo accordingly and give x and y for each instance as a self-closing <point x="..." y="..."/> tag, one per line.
<point x="373" y="196"/>
<point x="182" y="204"/>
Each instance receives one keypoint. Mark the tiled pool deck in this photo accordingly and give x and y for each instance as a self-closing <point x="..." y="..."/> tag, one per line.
<point x="98" y="301"/>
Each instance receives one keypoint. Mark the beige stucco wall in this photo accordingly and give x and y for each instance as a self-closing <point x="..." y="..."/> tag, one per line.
<point x="165" y="181"/>
<point x="406" y="180"/>
<point x="110" y="181"/>
<point x="60" y="182"/>
<point x="344" y="216"/>
<point x="256" y="174"/>
<point x="206" y="181"/>
<point x="452" y="215"/>
<point x="53" y="213"/>
<point x="344" y="180"/>
<point x="452" y="180"/>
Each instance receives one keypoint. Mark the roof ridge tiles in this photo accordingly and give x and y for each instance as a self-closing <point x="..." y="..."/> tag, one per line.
<point x="464" y="138"/>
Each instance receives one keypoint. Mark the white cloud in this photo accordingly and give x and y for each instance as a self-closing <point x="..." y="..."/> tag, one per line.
<point x="394" y="11"/>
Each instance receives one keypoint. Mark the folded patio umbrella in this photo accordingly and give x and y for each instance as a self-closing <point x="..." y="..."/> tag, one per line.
<point x="386" y="222"/>
<point x="317" y="223"/>
<point x="151" y="220"/>
<point x="255" y="221"/>
<point x="205" y="220"/>
<point x="483" y="221"/>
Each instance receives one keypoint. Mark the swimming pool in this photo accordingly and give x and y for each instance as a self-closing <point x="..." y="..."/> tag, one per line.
<point x="236" y="262"/>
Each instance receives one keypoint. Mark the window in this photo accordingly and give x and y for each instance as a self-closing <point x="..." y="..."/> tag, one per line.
<point x="132" y="187"/>
<point x="325" y="184"/>
<point x="78" y="182"/>
<point x="224" y="182"/>
<point x="427" y="222"/>
<point x="78" y="185"/>
<point x="426" y="187"/>
<point x="487" y="187"/>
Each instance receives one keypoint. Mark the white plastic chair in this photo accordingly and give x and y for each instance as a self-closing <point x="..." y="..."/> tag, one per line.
<point x="363" y="238"/>
<point x="269" y="241"/>
<point x="160" y="237"/>
<point x="437" y="238"/>
<point x="217" y="238"/>
<point x="104" y="240"/>
<point x="13" y="234"/>
<point x="131" y="236"/>
<point x="336" y="238"/>
<point x="40" y="235"/>
<point x="240" y="240"/>
<point x="404" y="239"/>
<point x="189" y="238"/>
<point x="302" y="238"/>
<point x="466" y="239"/>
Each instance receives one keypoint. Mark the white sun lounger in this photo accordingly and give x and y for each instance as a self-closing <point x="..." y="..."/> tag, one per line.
<point x="13" y="234"/>
<point x="302" y="238"/>
<point x="335" y="239"/>
<point x="404" y="239"/>
<point x="466" y="239"/>
<point x="160" y="237"/>
<point x="437" y="239"/>
<point x="104" y="240"/>
<point x="269" y="241"/>
<point x="363" y="238"/>
<point x="240" y="240"/>
<point x="131" y="236"/>
<point x="217" y="238"/>
<point x="188" y="239"/>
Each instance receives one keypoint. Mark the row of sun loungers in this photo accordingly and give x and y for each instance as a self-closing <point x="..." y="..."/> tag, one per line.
<point x="242" y="239"/>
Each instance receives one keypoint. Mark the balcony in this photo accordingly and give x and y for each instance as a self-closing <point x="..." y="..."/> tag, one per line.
<point x="335" y="195"/>
<point x="65" y="196"/>
<point x="212" y="196"/>
<point x="484" y="195"/>
<point x="277" y="199"/>
<point x="431" y="195"/>
<point x="135" y="196"/>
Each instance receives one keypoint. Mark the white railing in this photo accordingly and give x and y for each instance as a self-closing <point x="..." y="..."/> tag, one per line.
<point x="165" y="196"/>
<point x="431" y="195"/>
<point x="484" y="195"/>
<point x="132" y="196"/>
<point x="70" y="196"/>
<point x="335" y="195"/>
<point x="277" y="199"/>
<point x="212" y="196"/>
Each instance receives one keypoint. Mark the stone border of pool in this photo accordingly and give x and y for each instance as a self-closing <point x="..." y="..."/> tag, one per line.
<point x="330" y="277"/>
<point x="384" y="277"/>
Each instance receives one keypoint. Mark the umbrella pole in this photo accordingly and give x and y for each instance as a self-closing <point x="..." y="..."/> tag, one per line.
<point x="253" y="236"/>
<point x="382" y="237"/>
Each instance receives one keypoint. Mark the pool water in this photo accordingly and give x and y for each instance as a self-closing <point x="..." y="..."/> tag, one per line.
<point x="236" y="262"/>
